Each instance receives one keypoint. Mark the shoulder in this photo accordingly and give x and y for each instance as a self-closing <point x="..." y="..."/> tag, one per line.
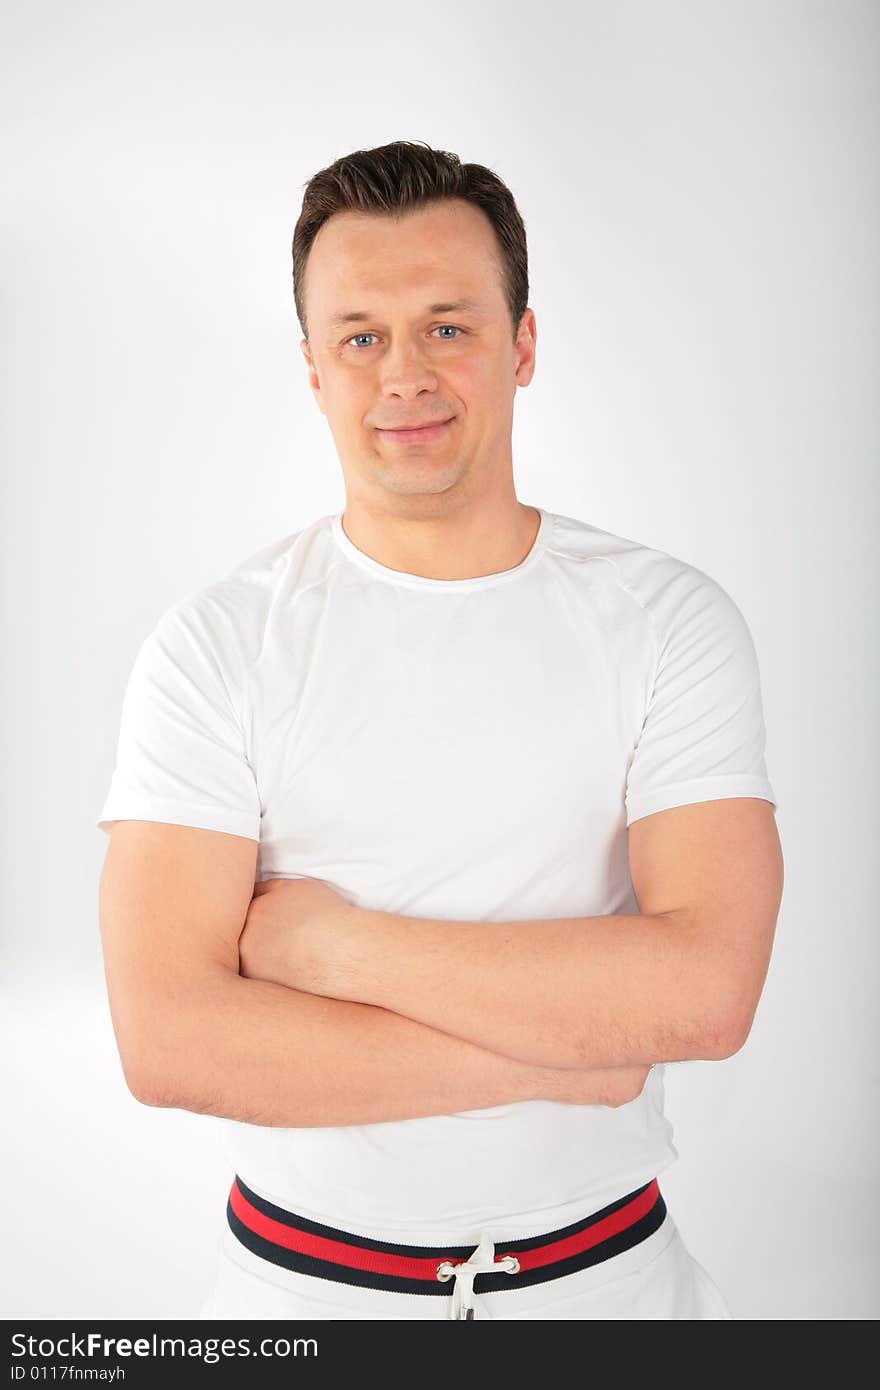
<point x="669" y="590"/>
<point x="229" y="615"/>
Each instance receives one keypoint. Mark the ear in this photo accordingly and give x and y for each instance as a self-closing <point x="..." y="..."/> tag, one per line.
<point x="314" y="383"/>
<point x="526" y="339"/>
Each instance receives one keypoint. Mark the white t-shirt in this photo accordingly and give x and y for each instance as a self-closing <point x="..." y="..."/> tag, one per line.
<point x="467" y="749"/>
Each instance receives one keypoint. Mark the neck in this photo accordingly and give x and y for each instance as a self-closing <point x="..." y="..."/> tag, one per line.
<point x="475" y="540"/>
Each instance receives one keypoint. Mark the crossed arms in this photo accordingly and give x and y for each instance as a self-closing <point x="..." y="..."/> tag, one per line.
<point x="680" y="980"/>
<point x="289" y="1006"/>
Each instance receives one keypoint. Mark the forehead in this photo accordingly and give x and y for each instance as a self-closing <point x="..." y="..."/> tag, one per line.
<point x="442" y="251"/>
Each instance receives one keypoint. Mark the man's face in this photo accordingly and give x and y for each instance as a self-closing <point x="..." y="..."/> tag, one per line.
<point x="386" y="350"/>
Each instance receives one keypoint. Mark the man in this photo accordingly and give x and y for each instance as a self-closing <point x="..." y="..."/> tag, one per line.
<point x="438" y="826"/>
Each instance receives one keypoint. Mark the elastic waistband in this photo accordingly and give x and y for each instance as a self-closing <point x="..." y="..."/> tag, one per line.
<point x="326" y="1252"/>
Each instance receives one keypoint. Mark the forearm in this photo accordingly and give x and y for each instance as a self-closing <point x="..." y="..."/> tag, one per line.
<point x="575" y="992"/>
<point x="257" y="1051"/>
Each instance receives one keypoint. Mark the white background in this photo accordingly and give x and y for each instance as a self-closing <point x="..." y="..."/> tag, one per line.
<point x="699" y="183"/>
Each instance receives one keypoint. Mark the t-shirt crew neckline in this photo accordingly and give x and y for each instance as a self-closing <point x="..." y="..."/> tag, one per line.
<point x="421" y="581"/>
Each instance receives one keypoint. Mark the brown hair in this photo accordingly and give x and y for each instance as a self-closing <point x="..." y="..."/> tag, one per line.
<point x="405" y="174"/>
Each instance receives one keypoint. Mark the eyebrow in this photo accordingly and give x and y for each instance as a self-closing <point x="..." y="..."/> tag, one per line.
<point x="451" y="306"/>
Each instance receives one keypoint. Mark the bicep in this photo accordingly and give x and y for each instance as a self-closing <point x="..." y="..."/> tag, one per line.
<point x="718" y="866"/>
<point x="172" y="904"/>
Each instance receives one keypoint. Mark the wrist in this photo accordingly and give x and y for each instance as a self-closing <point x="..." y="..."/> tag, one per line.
<point x="536" y="1082"/>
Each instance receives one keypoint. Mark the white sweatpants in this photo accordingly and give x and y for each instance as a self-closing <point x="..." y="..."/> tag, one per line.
<point x="659" y="1278"/>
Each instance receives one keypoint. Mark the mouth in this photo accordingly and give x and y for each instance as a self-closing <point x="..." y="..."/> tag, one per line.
<point x="419" y="434"/>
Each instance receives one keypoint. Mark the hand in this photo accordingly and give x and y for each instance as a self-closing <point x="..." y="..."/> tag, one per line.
<point x="299" y="932"/>
<point x="614" y="1086"/>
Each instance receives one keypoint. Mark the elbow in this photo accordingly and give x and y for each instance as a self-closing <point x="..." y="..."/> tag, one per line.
<point x="729" y="1033"/>
<point x="734" y="990"/>
<point x="158" y="1052"/>
<point x="150" y="1071"/>
<point x="170" y="1056"/>
<point x="146" y="1088"/>
<point x="174" y="1076"/>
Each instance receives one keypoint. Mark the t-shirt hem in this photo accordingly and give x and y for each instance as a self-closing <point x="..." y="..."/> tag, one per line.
<point x="714" y="788"/>
<point x="179" y="813"/>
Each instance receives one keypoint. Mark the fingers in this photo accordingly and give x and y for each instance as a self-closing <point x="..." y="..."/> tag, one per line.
<point x="267" y="885"/>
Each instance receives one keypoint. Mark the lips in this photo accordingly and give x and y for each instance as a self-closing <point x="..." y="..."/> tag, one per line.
<point x="417" y="433"/>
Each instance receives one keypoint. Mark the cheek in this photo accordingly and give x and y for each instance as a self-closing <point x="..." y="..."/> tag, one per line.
<point x="485" y="394"/>
<point x="344" y="391"/>
<point x="471" y="383"/>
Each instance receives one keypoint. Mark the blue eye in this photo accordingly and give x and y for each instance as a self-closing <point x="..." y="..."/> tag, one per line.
<point x="455" y="329"/>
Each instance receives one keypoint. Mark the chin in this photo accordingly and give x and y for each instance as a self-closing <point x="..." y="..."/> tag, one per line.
<point x="418" y="479"/>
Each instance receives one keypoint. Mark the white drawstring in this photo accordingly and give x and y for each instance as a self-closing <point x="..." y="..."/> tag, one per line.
<point x="481" y="1261"/>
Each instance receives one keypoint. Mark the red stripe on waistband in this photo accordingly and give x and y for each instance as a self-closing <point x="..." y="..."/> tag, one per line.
<point x="594" y="1235"/>
<point x="380" y="1262"/>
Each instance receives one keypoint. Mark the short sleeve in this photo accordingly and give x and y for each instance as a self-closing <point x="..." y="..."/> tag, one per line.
<point x="181" y="755"/>
<point x="703" y="735"/>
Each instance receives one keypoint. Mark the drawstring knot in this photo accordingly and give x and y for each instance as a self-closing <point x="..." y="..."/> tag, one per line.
<point x="481" y="1261"/>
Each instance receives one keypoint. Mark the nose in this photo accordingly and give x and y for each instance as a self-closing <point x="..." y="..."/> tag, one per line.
<point x="406" y="371"/>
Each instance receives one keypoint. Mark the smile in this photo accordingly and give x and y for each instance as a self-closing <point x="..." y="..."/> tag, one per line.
<point x="423" y="435"/>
